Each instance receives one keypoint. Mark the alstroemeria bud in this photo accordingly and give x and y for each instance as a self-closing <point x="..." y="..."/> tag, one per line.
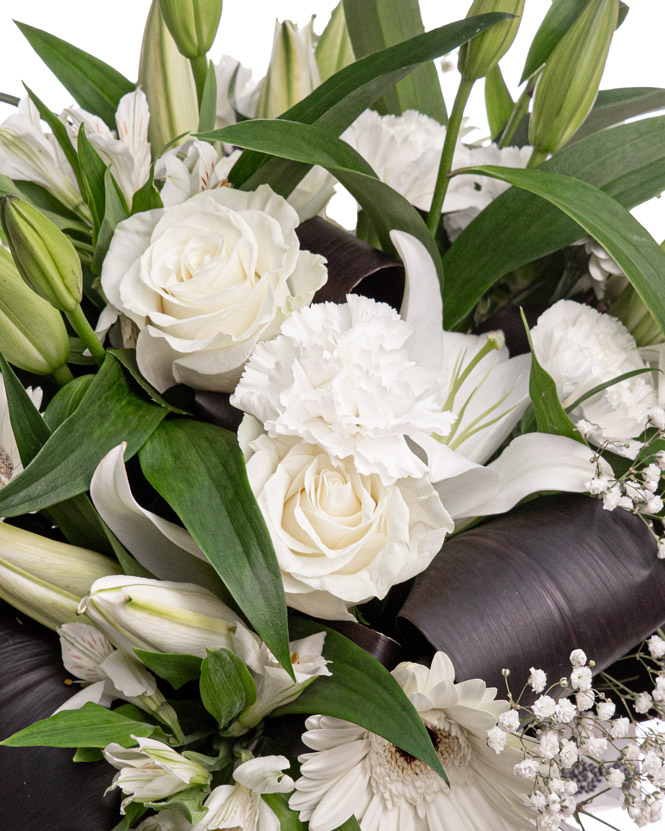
<point x="479" y="56"/>
<point x="292" y="73"/>
<point x="46" y="579"/>
<point x="32" y="333"/>
<point x="167" y="80"/>
<point x="159" y="616"/>
<point x="192" y="23"/>
<point x="44" y="256"/>
<point x="569" y="83"/>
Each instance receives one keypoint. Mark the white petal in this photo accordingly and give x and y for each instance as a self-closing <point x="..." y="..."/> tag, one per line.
<point x="95" y="692"/>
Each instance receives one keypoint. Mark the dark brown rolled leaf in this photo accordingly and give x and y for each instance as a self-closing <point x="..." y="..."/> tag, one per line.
<point x="386" y="650"/>
<point x="353" y="265"/>
<point x="215" y="408"/>
<point x="40" y="787"/>
<point x="529" y="587"/>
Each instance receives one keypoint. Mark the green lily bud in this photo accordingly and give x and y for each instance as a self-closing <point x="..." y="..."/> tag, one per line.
<point x="292" y="73"/>
<point x="334" y="50"/>
<point x="159" y="616"/>
<point x="168" y="82"/>
<point x="46" y="579"/>
<point x="569" y="83"/>
<point x="192" y="24"/>
<point x="479" y="56"/>
<point x="32" y="333"/>
<point x="631" y="311"/>
<point x="45" y="258"/>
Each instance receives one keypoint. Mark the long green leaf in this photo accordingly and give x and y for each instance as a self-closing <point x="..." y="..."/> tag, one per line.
<point x="208" y="106"/>
<point x="226" y="685"/>
<point x="627" y="162"/>
<point x="288" y="819"/>
<point x="374" y="25"/>
<point x="29" y="428"/>
<point x="601" y="387"/>
<point x="498" y="101"/>
<point x="93" y="171"/>
<point x="59" y="131"/>
<point x="628" y="242"/>
<point x="95" y="85"/>
<point x="343" y="97"/>
<point x="199" y="470"/>
<point x="616" y="105"/>
<point x="65" y="464"/>
<point x="361" y="690"/>
<point x="175" y="668"/>
<point x="559" y="18"/>
<point x="114" y="212"/>
<point x="91" y="726"/>
<point x="386" y="208"/>
<point x="66" y="401"/>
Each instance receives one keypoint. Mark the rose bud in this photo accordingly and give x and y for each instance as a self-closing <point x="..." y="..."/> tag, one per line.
<point x="479" y="56"/>
<point x="192" y="23"/>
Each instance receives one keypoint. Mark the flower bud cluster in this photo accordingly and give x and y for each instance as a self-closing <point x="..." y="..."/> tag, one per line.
<point x="570" y="743"/>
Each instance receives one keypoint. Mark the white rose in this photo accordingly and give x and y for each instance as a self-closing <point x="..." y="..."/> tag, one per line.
<point x="341" y="537"/>
<point x="205" y="280"/>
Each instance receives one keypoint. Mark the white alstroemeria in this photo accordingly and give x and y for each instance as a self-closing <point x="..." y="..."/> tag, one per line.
<point x="129" y="153"/>
<point x="206" y="279"/>
<point x="604" y="275"/>
<point x="10" y="458"/>
<point x="237" y="92"/>
<point x="355" y="772"/>
<point x="240" y="806"/>
<point x="581" y="349"/>
<point x="28" y="153"/>
<point x="274" y="686"/>
<point x="153" y="772"/>
<point x="341" y="537"/>
<point x="110" y="674"/>
<point x="158" y="615"/>
<point x="169" y="819"/>
<point x="472" y="194"/>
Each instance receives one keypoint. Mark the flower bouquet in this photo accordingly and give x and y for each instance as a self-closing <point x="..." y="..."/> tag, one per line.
<point x="335" y="528"/>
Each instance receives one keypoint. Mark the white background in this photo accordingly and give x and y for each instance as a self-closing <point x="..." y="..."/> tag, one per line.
<point x="112" y="31"/>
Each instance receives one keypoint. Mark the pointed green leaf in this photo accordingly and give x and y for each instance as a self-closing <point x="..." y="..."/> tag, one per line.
<point x="199" y="469"/>
<point x="559" y="18"/>
<point x="60" y="133"/>
<point x="147" y="197"/>
<point x="91" y="726"/>
<point x="65" y="464"/>
<point x="28" y="426"/>
<point x="208" y="107"/>
<point x="279" y="805"/>
<point x="601" y="387"/>
<point x="628" y="242"/>
<point x="66" y="400"/>
<point x="386" y="208"/>
<point x="95" y="85"/>
<point x="114" y="212"/>
<point x="616" y="105"/>
<point x="361" y="690"/>
<point x="127" y="358"/>
<point x="627" y="162"/>
<point x="93" y="170"/>
<point x="227" y="687"/>
<point x="498" y="101"/>
<point x="172" y="667"/>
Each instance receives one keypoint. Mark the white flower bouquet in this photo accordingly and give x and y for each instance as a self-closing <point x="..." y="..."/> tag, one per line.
<point x="307" y="506"/>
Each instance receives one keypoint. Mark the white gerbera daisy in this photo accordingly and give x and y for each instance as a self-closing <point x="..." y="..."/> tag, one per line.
<point x="355" y="772"/>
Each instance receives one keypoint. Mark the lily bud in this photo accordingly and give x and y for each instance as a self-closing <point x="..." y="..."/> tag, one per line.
<point x="167" y="80"/>
<point x="636" y="317"/>
<point x="45" y="258"/>
<point x="192" y="23"/>
<point x="32" y="333"/>
<point x="334" y="50"/>
<point x="292" y="73"/>
<point x="569" y="83"/>
<point x="46" y="579"/>
<point x="479" y="56"/>
<point x="159" y="616"/>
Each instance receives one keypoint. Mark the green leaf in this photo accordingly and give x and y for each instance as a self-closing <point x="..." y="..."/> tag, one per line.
<point x="342" y="98"/>
<point x="189" y="802"/>
<point x="88" y="754"/>
<point x="64" y="466"/>
<point x="279" y="805"/>
<point x="93" y="171"/>
<point x="374" y="25"/>
<point x="627" y="162"/>
<point x="147" y="197"/>
<point x="629" y="244"/>
<point x="386" y="208"/>
<point x="133" y="812"/>
<point x="172" y="667"/>
<point x="361" y="690"/>
<point x="334" y="51"/>
<point x="95" y="85"/>
<point x="59" y="132"/>
<point x="127" y="358"/>
<point x="226" y="685"/>
<point x="498" y="101"/>
<point x="550" y="414"/>
<point x="199" y="469"/>
<point x="91" y="726"/>
<point x="349" y="825"/>
<point x="66" y="401"/>
<point x="615" y="105"/>
<point x="76" y="349"/>
<point x="114" y="212"/>
<point x="559" y="18"/>
<point x="601" y="387"/>
<point x="208" y="106"/>
<point x="28" y="427"/>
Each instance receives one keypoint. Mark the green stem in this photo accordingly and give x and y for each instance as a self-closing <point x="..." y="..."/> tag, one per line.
<point x="452" y="133"/>
<point x="520" y="109"/>
<point x="85" y="331"/>
<point x="200" y="70"/>
<point x="537" y="157"/>
<point x="62" y="375"/>
<point x="598" y="819"/>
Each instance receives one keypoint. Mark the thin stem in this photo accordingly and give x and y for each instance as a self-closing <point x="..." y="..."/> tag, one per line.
<point x="85" y="331"/>
<point x="6" y="98"/>
<point x="537" y="157"/>
<point x="452" y="133"/>
<point x="200" y="69"/>
<point x="62" y="375"/>
<point x="598" y="819"/>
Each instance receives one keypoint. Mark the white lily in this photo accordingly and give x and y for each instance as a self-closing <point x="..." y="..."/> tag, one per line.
<point x="28" y="153"/>
<point x="487" y="391"/>
<point x="153" y="772"/>
<point x="129" y="153"/>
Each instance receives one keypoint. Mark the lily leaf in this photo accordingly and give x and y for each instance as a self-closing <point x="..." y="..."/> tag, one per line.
<point x="613" y="106"/>
<point x="175" y="668"/>
<point x="498" y="101"/>
<point x="559" y="18"/>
